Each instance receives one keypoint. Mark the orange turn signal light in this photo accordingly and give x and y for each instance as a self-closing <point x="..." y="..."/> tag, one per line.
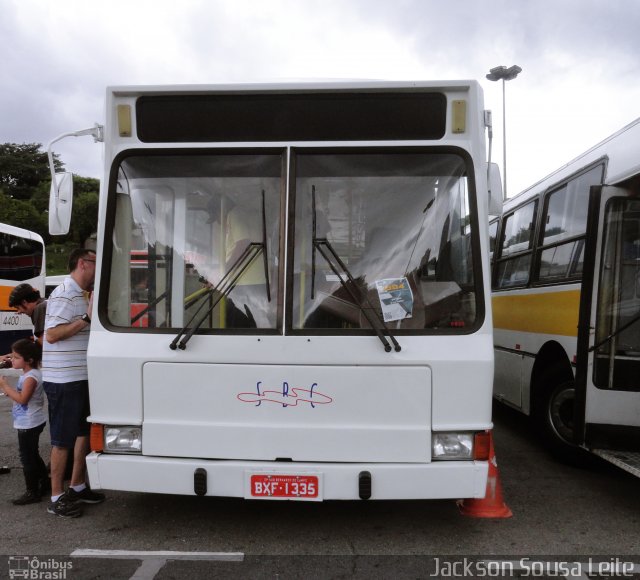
<point x="96" y="438"/>
<point x="481" y="446"/>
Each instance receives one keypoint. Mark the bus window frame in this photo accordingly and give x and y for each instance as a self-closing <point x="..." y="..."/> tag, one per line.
<point x="537" y="248"/>
<point x="500" y="241"/>
<point x="481" y="307"/>
<point x="494" y="250"/>
<point x="33" y="269"/>
<point x="540" y="246"/>
<point x="110" y="217"/>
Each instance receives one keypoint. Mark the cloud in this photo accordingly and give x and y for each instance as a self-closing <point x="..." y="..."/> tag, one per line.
<point x="580" y="59"/>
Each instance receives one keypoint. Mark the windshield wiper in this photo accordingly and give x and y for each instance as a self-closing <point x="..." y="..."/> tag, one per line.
<point x="227" y="283"/>
<point x="325" y="248"/>
<point x="222" y="289"/>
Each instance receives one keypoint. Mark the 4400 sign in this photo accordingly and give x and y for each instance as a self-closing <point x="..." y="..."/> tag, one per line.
<point x="11" y="320"/>
<point x="14" y="321"/>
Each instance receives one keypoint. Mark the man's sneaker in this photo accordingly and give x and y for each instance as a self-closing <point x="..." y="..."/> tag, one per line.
<point x="65" y="508"/>
<point x="87" y="495"/>
<point x="26" y="498"/>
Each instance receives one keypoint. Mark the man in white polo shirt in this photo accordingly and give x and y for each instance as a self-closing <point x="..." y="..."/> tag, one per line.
<point x="65" y="378"/>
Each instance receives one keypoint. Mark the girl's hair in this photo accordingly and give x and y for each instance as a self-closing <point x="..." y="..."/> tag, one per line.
<point x="29" y="351"/>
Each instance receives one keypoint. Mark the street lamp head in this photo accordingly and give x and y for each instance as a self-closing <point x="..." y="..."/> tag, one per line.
<point x="503" y="73"/>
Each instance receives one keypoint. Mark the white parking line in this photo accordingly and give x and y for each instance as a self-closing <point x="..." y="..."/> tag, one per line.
<point x="154" y="561"/>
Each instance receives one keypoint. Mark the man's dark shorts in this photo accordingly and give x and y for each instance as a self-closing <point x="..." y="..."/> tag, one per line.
<point x="68" y="411"/>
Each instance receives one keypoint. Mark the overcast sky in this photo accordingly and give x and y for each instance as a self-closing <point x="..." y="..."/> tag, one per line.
<point x="580" y="61"/>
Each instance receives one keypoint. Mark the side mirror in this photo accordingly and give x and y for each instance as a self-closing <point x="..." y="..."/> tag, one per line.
<point x="494" y="183"/>
<point x="60" y="203"/>
<point x="61" y="196"/>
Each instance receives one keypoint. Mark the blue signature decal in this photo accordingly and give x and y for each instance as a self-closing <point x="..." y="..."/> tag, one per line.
<point x="286" y="396"/>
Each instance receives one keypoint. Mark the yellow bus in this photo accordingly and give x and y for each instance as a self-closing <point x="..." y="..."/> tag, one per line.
<point x="566" y="302"/>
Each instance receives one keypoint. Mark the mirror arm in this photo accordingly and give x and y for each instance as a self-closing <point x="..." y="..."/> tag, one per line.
<point x="97" y="132"/>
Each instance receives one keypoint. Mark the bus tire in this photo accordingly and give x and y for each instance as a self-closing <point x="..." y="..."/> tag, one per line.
<point x="556" y="422"/>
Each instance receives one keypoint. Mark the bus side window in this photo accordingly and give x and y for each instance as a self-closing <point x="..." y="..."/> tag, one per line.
<point x="493" y="233"/>
<point x="563" y="229"/>
<point x="516" y="248"/>
<point x="493" y="253"/>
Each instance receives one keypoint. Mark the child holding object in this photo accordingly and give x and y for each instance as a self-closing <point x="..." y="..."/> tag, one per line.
<point x="29" y="417"/>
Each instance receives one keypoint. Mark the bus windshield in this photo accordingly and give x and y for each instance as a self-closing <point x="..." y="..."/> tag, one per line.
<point x="21" y="261"/>
<point x="20" y="257"/>
<point x="200" y="239"/>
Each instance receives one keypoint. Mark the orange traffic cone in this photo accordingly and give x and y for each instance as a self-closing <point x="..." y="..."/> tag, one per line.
<point x="492" y="505"/>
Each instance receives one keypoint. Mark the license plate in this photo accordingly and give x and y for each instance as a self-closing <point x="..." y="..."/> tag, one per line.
<point x="284" y="486"/>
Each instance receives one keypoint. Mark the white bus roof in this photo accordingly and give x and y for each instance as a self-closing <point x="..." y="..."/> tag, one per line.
<point x="294" y="86"/>
<point x="621" y="150"/>
<point x="15" y="231"/>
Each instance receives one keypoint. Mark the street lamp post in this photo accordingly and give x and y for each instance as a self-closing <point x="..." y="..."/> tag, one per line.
<point x="504" y="74"/>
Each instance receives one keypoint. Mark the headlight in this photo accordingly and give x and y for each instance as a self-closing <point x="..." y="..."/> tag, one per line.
<point x="452" y="446"/>
<point x="122" y="439"/>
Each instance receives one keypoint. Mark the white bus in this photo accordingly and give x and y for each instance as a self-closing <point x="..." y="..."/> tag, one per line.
<point x="314" y="272"/>
<point x="566" y="302"/>
<point x="52" y="282"/>
<point x="22" y="260"/>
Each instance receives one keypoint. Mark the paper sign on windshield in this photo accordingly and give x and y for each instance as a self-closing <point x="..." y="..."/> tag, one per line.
<point x="396" y="298"/>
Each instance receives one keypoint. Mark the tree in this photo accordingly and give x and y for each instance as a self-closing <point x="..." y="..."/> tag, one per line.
<point x="25" y="181"/>
<point x="84" y="216"/>
<point x="24" y="167"/>
<point x="22" y="214"/>
<point x="40" y="196"/>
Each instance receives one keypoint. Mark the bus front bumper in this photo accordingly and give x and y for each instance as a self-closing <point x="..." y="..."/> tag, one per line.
<point x="337" y="481"/>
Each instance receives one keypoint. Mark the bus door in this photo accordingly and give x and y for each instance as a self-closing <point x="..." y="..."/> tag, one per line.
<point x="608" y="374"/>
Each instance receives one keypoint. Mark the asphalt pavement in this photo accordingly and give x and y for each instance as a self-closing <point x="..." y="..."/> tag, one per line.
<point x="559" y="513"/>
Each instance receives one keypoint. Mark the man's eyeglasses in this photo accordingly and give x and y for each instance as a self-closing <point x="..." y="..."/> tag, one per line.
<point x="86" y="260"/>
